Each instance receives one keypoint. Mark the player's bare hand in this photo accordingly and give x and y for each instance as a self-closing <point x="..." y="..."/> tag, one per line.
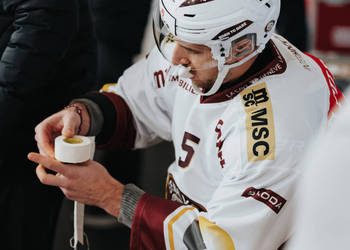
<point x="88" y="182"/>
<point x="67" y="122"/>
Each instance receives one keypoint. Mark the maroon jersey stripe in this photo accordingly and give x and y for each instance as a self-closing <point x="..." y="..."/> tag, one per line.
<point x="125" y="132"/>
<point x="336" y="95"/>
<point x="147" y="226"/>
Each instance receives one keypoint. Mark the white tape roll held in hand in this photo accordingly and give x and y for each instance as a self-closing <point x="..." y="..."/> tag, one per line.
<point x="73" y="150"/>
<point x="76" y="149"/>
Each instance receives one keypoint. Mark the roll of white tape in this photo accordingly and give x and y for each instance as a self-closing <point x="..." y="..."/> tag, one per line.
<point x="73" y="150"/>
<point x="92" y="148"/>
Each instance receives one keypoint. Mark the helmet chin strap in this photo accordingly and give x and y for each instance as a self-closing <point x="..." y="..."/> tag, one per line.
<point x="221" y="76"/>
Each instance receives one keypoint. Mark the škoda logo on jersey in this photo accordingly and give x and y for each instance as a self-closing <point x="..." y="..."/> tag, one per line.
<point x="259" y="123"/>
<point x="266" y="196"/>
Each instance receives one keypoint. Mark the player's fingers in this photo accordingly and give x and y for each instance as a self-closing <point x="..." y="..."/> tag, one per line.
<point x="44" y="141"/>
<point x="49" y="163"/>
<point x="48" y="179"/>
<point x="42" y="151"/>
<point x="71" y="123"/>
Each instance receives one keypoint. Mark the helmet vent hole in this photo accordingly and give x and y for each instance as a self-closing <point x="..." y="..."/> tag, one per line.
<point x="265" y="36"/>
<point x="268" y="5"/>
<point x="190" y="15"/>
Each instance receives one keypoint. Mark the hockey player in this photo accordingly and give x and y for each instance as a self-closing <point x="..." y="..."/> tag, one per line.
<point x="240" y="104"/>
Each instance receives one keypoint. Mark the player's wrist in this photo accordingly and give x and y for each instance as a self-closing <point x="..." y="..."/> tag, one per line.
<point x="83" y="113"/>
<point x="111" y="201"/>
<point x="130" y="197"/>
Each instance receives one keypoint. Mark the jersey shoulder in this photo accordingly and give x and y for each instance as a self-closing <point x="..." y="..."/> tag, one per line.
<point x="309" y="73"/>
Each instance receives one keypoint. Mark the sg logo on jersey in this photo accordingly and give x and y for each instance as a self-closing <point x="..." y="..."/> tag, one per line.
<point x="173" y="192"/>
<point x="259" y="123"/>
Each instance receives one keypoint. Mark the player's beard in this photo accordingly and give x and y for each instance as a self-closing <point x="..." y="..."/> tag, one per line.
<point x="206" y="85"/>
<point x="205" y="82"/>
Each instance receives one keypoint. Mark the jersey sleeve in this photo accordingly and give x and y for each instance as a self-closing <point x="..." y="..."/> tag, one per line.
<point x="147" y="97"/>
<point x="250" y="211"/>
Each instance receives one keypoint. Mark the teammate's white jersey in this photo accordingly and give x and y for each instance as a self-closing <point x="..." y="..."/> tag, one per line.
<point x="323" y="220"/>
<point x="237" y="152"/>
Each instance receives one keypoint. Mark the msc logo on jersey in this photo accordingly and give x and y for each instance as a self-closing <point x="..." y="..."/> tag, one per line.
<point x="259" y="123"/>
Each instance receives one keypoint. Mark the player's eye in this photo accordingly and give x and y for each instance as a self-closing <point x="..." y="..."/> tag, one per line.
<point x="192" y="51"/>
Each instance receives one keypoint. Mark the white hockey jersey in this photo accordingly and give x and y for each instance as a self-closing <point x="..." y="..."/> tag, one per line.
<point x="237" y="152"/>
<point x="323" y="220"/>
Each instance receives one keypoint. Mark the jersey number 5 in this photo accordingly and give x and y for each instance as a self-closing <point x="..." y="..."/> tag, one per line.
<point x="187" y="148"/>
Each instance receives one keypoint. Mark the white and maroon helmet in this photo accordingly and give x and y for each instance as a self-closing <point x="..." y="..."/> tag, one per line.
<point x="219" y="24"/>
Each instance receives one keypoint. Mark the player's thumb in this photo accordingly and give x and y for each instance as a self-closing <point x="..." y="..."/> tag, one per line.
<point x="70" y="127"/>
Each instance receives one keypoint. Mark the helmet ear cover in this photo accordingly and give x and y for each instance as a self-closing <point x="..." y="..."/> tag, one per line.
<point x="228" y="52"/>
<point x="243" y="46"/>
